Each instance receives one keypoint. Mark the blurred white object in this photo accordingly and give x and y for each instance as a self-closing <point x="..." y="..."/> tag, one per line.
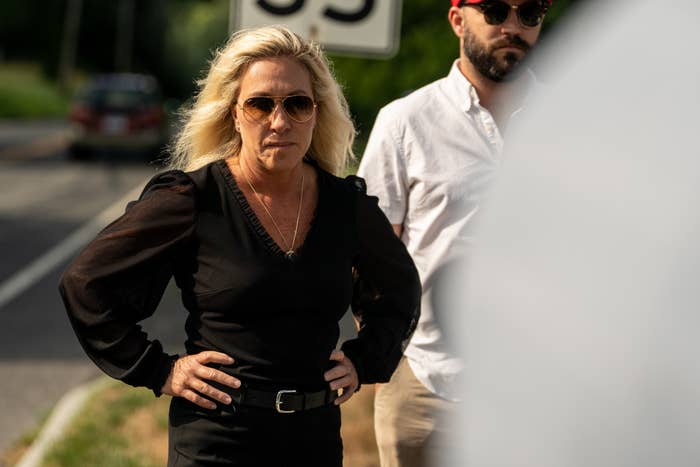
<point x="581" y="327"/>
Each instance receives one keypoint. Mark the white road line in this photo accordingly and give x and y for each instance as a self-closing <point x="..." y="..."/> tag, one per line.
<point x="44" y="264"/>
<point x="61" y="416"/>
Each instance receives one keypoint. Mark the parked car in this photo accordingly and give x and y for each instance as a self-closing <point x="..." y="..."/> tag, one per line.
<point x="118" y="113"/>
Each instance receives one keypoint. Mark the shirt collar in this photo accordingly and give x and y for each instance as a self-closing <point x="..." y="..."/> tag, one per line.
<point x="462" y="87"/>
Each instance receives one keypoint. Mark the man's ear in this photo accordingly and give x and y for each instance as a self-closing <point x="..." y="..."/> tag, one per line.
<point x="456" y="19"/>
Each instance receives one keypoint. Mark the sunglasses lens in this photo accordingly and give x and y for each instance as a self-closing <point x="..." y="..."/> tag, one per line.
<point x="299" y="108"/>
<point x="531" y="13"/>
<point x="495" y="12"/>
<point x="259" y="107"/>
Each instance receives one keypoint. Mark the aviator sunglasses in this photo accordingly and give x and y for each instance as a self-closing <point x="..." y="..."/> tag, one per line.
<point x="530" y="14"/>
<point x="299" y="108"/>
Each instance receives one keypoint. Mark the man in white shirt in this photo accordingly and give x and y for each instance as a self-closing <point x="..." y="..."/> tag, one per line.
<point x="428" y="159"/>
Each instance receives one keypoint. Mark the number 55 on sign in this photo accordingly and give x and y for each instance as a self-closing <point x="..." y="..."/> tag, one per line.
<point x="366" y="28"/>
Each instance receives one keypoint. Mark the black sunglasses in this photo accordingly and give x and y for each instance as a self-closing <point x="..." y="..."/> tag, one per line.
<point x="299" y="108"/>
<point x="530" y="14"/>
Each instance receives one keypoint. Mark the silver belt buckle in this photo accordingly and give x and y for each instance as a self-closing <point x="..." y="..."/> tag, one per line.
<point x="278" y="400"/>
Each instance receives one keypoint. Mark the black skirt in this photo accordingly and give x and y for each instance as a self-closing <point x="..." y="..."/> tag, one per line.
<point x="247" y="436"/>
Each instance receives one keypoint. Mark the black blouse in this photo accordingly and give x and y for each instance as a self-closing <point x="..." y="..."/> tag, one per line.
<point x="277" y="318"/>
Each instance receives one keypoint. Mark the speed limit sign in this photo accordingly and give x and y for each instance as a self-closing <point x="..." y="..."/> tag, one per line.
<point x="352" y="27"/>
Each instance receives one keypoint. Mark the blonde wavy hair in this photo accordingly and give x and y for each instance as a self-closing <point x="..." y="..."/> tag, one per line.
<point x="208" y="129"/>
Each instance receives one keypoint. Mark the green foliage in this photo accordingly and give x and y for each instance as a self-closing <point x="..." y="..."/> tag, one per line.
<point x="25" y="93"/>
<point x="558" y="9"/>
<point x="97" y="436"/>
<point x="195" y="30"/>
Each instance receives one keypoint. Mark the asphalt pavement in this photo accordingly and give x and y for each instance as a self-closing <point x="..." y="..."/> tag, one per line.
<point x="32" y="138"/>
<point x="49" y="208"/>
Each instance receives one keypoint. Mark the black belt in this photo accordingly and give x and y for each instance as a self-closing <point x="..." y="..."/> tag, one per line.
<point x="284" y="400"/>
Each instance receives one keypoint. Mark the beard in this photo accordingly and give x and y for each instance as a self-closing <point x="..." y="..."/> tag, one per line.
<point x="484" y="58"/>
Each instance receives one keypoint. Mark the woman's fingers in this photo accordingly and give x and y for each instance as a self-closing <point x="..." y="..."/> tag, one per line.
<point x="211" y="356"/>
<point x="197" y="399"/>
<point x="208" y="373"/>
<point x="336" y="372"/>
<point x="337" y="355"/>
<point x="342" y="376"/>
<point x="344" y="397"/>
<point x="210" y="391"/>
<point x="189" y="375"/>
<point x="342" y="382"/>
<point x="348" y="384"/>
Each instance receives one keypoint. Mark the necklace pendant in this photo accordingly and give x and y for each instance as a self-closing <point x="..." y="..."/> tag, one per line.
<point x="290" y="255"/>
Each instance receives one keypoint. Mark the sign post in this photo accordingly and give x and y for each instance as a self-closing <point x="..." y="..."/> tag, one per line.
<point x="367" y="28"/>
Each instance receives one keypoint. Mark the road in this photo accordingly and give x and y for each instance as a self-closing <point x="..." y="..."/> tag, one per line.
<point x="47" y="199"/>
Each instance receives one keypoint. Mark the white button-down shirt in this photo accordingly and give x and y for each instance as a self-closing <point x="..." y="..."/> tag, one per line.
<point x="429" y="158"/>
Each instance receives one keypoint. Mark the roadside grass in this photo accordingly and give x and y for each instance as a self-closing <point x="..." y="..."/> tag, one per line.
<point x="121" y="426"/>
<point x="14" y="453"/>
<point x="25" y="93"/>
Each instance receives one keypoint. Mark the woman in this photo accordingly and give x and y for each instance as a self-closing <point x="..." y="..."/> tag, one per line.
<point x="263" y="240"/>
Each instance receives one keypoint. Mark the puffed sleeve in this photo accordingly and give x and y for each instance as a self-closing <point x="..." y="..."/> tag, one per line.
<point x="119" y="279"/>
<point x="387" y="293"/>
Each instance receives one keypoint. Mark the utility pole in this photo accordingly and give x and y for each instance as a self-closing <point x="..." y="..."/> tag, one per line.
<point x="125" y="36"/>
<point x="69" y="42"/>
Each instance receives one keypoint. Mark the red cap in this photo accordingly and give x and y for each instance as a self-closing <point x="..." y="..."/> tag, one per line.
<point x="473" y="2"/>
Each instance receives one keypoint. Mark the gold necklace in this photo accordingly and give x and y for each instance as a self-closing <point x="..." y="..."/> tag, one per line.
<point x="290" y="254"/>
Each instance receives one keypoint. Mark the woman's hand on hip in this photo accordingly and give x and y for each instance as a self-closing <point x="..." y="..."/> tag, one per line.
<point x="189" y="378"/>
<point x="342" y="376"/>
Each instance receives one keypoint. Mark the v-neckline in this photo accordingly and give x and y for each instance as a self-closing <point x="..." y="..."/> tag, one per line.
<point x="270" y="244"/>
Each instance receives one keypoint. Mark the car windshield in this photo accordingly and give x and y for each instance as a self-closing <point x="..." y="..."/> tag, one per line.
<point x="117" y="99"/>
<point x="120" y="93"/>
